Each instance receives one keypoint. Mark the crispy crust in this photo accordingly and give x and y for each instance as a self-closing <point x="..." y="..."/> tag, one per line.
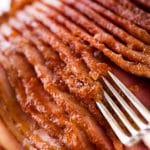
<point x="65" y="101"/>
<point x="27" y="127"/>
<point x="139" y="61"/>
<point x="128" y="10"/>
<point x="48" y="52"/>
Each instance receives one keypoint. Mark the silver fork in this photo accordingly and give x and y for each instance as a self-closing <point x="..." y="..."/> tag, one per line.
<point x="143" y="126"/>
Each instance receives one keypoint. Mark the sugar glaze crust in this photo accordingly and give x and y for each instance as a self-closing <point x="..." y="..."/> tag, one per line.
<point x="52" y="56"/>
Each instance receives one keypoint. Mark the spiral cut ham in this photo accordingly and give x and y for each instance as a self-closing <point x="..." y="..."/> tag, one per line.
<point x="51" y="64"/>
<point x="24" y="128"/>
<point x="138" y="61"/>
<point x="128" y="10"/>
<point x="65" y="77"/>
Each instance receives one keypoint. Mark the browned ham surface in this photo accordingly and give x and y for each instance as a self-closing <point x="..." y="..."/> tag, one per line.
<point x="53" y="54"/>
<point x="114" y="46"/>
<point x="128" y="10"/>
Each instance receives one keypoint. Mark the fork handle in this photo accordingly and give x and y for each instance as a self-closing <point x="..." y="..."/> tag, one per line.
<point x="146" y="140"/>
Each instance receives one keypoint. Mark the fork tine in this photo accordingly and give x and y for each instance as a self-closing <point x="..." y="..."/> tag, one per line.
<point x="122" y="117"/>
<point x="113" y="123"/>
<point x="124" y="104"/>
<point x="140" y="107"/>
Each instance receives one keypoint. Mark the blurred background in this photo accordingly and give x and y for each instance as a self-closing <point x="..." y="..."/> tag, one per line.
<point x="4" y="6"/>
